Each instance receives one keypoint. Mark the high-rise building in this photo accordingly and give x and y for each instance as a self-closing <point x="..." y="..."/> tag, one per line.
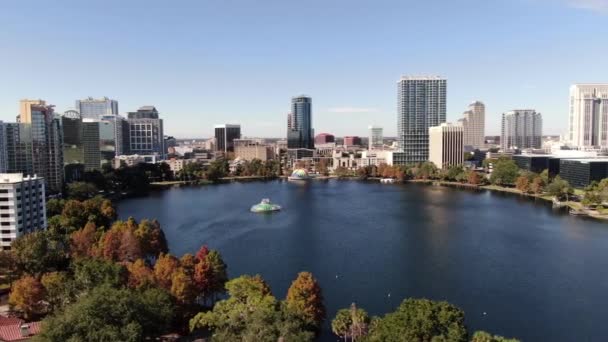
<point x="473" y="123"/>
<point x="3" y="148"/>
<point x="146" y="132"/>
<point x="446" y="145"/>
<point x="375" y="140"/>
<point x="91" y="108"/>
<point x="421" y="104"/>
<point x="225" y="135"/>
<point x="22" y="206"/>
<point x="300" y="133"/>
<point x="521" y="129"/>
<point x="588" y="124"/>
<point x="324" y="138"/>
<point x="38" y="150"/>
<point x="91" y="144"/>
<point x="114" y="136"/>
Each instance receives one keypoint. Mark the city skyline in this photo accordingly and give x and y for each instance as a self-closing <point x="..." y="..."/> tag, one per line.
<point x="199" y="66"/>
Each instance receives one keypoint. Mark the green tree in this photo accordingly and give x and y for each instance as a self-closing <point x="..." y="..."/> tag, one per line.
<point x="482" y="336"/>
<point x="91" y="273"/>
<point x="420" y="320"/>
<point x="39" y="252"/>
<point x="57" y="287"/>
<point x="305" y="299"/>
<point x="559" y="188"/>
<point x="251" y="313"/>
<point x="504" y="172"/>
<point x="54" y="206"/>
<point x="427" y="170"/>
<point x="109" y="314"/>
<point x="352" y="323"/>
<point x="81" y="190"/>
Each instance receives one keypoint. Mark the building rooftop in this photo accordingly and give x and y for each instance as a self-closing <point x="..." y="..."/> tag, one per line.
<point x="228" y="126"/>
<point x="9" y="178"/>
<point x="587" y="160"/>
<point x="422" y="78"/>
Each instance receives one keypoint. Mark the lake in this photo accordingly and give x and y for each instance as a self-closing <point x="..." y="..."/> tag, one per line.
<point x="516" y="267"/>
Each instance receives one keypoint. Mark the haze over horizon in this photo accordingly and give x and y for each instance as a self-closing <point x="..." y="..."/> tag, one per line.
<point x="204" y="63"/>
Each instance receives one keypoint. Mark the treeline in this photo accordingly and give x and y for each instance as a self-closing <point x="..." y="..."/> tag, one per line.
<point x="414" y="320"/>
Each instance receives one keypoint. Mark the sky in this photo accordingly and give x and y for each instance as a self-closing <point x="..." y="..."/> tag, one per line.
<point x="206" y="62"/>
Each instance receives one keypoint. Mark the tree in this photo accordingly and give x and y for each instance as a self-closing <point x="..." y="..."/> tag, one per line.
<point x="56" y="289"/>
<point x="152" y="238"/>
<point x="537" y="185"/>
<point x="39" y="252"/>
<point x="504" y="172"/>
<point x="544" y="176"/>
<point x="54" y="206"/>
<point x="351" y="323"/>
<point x="91" y="273"/>
<point x="182" y="287"/>
<point x="473" y="178"/>
<point x="140" y="275"/>
<point x="454" y="172"/>
<point x="305" y="299"/>
<point x="522" y="184"/>
<point x="426" y="170"/>
<point x="109" y="314"/>
<point x="250" y="313"/>
<point x="82" y="242"/>
<point x="81" y="190"/>
<point x="559" y="188"/>
<point x="482" y="336"/>
<point x="163" y="270"/>
<point x="26" y="297"/>
<point x="420" y="320"/>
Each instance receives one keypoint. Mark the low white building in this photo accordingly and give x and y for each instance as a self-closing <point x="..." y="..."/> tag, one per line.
<point x="22" y="206"/>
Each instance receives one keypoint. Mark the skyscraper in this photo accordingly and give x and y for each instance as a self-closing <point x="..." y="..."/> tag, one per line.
<point x="91" y="108"/>
<point x="91" y="144"/>
<point x="146" y="132"/>
<point x="375" y="140"/>
<point x="3" y="149"/>
<point x="300" y="133"/>
<point x="521" y="129"/>
<point x="446" y="145"/>
<point x="473" y="123"/>
<point x="588" y="124"/>
<point x="225" y="135"/>
<point x="39" y="149"/>
<point x="421" y="104"/>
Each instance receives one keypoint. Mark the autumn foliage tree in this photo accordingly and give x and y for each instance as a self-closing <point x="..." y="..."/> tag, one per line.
<point x="82" y="242"/>
<point x="305" y="299"/>
<point x="140" y="274"/>
<point x="165" y="265"/>
<point x="26" y="296"/>
<point x="473" y="178"/>
<point x="522" y="183"/>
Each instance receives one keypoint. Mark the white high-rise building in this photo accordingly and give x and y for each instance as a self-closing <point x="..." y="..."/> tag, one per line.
<point x="588" y="124"/>
<point x="521" y="129"/>
<point x="446" y="145"/>
<point x="375" y="140"/>
<point x="421" y="103"/>
<point x="22" y="206"/>
<point x="473" y="122"/>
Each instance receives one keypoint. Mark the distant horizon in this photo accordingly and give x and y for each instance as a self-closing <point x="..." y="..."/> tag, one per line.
<point x="204" y="63"/>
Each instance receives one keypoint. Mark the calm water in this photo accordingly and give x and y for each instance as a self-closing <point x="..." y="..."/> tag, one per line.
<point x="536" y="274"/>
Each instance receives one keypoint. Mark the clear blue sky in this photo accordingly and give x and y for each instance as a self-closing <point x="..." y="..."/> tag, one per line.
<point x="207" y="62"/>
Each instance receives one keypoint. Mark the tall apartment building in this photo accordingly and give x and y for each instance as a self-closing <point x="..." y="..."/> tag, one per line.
<point x="3" y="148"/>
<point x="588" y="119"/>
<point x="446" y="145"/>
<point x="115" y="131"/>
<point x="35" y="146"/>
<point x="300" y="133"/>
<point x="521" y="129"/>
<point x="375" y="140"/>
<point x="91" y="108"/>
<point x="91" y="144"/>
<point x="22" y="206"/>
<point x="225" y="136"/>
<point x="146" y="132"/>
<point x="473" y="123"/>
<point x="421" y="104"/>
